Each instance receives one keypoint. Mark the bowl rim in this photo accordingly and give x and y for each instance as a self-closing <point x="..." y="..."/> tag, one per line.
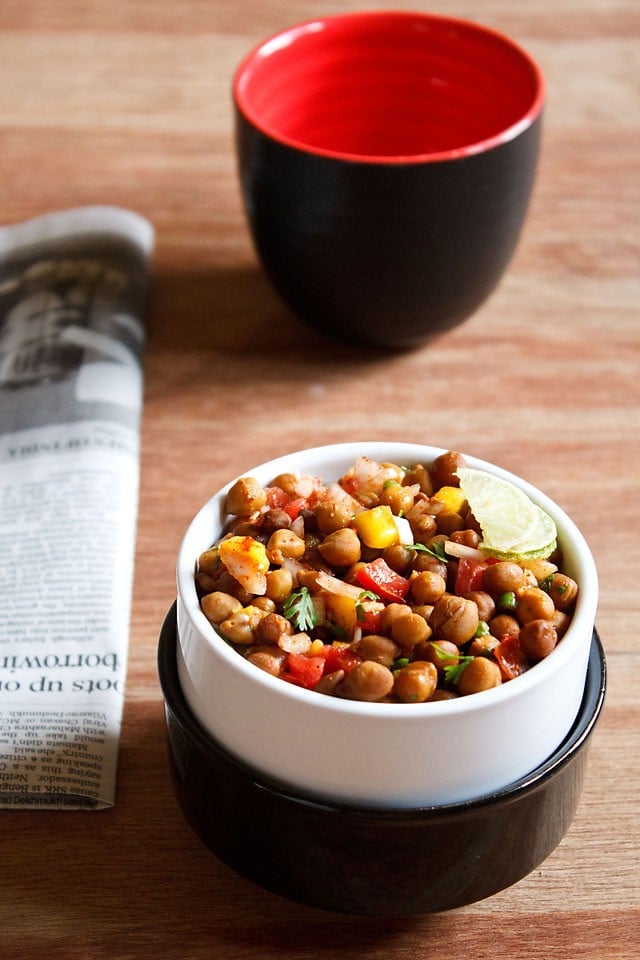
<point x="287" y="35"/>
<point x="581" y="625"/>
<point x="588" y="714"/>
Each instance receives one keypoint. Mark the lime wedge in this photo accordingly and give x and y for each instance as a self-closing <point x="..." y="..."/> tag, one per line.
<point x="513" y="526"/>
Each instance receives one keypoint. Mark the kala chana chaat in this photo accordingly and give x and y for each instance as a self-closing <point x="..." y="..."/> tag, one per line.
<point x="398" y="584"/>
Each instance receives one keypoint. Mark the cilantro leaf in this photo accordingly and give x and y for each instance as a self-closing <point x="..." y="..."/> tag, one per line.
<point x="300" y="610"/>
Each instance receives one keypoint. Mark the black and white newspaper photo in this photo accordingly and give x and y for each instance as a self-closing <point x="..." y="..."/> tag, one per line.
<point x="73" y="289"/>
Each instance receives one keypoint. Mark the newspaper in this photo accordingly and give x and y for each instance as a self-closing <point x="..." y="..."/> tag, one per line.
<point x="72" y="294"/>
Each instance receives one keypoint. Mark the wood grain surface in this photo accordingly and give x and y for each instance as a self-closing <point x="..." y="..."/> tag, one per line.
<point x="128" y="102"/>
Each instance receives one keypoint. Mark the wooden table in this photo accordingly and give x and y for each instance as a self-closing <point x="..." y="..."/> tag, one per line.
<point x="127" y="102"/>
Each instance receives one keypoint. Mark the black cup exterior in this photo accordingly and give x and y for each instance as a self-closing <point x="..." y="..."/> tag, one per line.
<point x="363" y="861"/>
<point x="387" y="255"/>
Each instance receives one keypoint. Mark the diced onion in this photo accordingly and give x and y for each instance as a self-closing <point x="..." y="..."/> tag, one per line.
<point x="460" y="550"/>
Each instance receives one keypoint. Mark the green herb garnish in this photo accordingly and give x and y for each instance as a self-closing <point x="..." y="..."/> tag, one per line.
<point x="399" y="664"/>
<point x="436" y="551"/>
<point x="300" y="610"/>
<point x="453" y="671"/>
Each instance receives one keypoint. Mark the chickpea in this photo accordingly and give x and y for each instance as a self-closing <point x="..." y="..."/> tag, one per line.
<point x="396" y="496"/>
<point x="409" y="630"/>
<point x="209" y="561"/>
<point x="269" y="659"/>
<point x="288" y="482"/>
<point x="279" y="584"/>
<point x="443" y="695"/>
<point x="441" y="653"/>
<point x="444" y="469"/>
<point x="449" y="523"/>
<point x="419" y="475"/>
<point x="503" y="577"/>
<point x="484" y="602"/>
<point x="504" y="626"/>
<point x="284" y="545"/>
<point x="275" y="519"/>
<point x="245" y="497"/>
<point x="537" y="639"/>
<point x="240" y="626"/>
<point x="391" y="613"/>
<point x="399" y="557"/>
<point x="481" y="646"/>
<point x="341" y="548"/>
<point x="367" y="681"/>
<point x="219" y="606"/>
<point x="426" y="562"/>
<point x="329" y="683"/>
<point x="264" y="603"/>
<point x="563" y="591"/>
<point x="479" y="674"/>
<point x="560" y="621"/>
<point x="271" y="628"/>
<point x="332" y="516"/>
<point x="427" y="587"/>
<point x="416" y="682"/>
<point x="378" y="648"/>
<point x="423" y="610"/>
<point x="467" y="537"/>
<point x="295" y="642"/>
<point x="532" y="603"/>
<point x="454" y="619"/>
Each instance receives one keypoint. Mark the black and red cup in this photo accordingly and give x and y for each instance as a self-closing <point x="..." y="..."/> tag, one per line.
<point x="386" y="162"/>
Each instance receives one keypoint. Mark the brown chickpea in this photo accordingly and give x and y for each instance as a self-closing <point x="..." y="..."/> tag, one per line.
<point x="209" y="561"/>
<point x="288" y="482"/>
<point x="537" y="639"/>
<point x="295" y="642"/>
<point x="449" y="523"/>
<point x="219" y="606"/>
<point x="563" y="591"/>
<point x="441" y="653"/>
<point x="503" y="577"/>
<point x="438" y="695"/>
<point x="275" y="519"/>
<point x="426" y="562"/>
<point x="279" y="584"/>
<point x="504" y="626"/>
<point x="240" y="626"/>
<point x="427" y="587"/>
<point x="329" y="683"/>
<point x="560" y="621"/>
<point x="341" y="548"/>
<point x="467" y="537"/>
<point x="375" y="647"/>
<point x="419" y="475"/>
<point x="269" y="659"/>
<point x="399" y="557"/>
<point x="479" y="674"/>
<point x="391" y="613"/>
<point x="454" y="619"/>
<point x="271" y="627"/>
<point x="444" y="469"/>
<point x="264" y="603"/>
<point x="532" y="603"/>
<point x="285" y="545"/>
<point x="409" y="630"/>
<point x="484" y="602"/>
<point x="332" y="516"/>
<point x="245" y="497"/>
<point x="483" y="645"/>
<point x="423" y="610"/>
<point x="367" y="681"/>
<point x="416" y="682"/>
<point x="399" y="498"/>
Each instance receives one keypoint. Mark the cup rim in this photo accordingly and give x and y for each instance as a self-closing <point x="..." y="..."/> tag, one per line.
<point x="581" y="624"/>
<point x="288" y="34"/>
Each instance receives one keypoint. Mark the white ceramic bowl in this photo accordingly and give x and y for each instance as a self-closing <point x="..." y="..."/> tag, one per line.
<point x="375" y="754"/>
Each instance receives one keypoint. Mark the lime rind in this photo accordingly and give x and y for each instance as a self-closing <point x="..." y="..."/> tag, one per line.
<point x="513" y="526"/>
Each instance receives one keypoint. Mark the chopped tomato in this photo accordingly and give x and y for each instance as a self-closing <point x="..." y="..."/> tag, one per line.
<point x="339" y="658"/>
<point x="368" y="614"/>
<point x="469" y="575"/>
<point x="278" y="499"/>
<point x="294" y="506"/>
<point x="381" y="579"/>
<point x="510" y="658"/>
<point x="304" y="671"/>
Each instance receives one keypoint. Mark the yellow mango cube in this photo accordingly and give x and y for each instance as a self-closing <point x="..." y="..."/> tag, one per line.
<point x="376" y="527"/>
<point x="452" y="498"/>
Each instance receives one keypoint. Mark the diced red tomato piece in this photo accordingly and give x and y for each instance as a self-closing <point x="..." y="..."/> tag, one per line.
<point x="469" y="575"/>
<point x="378" y="577"/>
<point x="340" y="658"/>
<point x="294" y="506"/>
<point x="510" y="658"/>
<point x="369" y="613"/>
<point x="276" y="498"/>
<point x="304" y="671"/>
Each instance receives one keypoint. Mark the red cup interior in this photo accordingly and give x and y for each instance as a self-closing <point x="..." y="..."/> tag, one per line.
<point x="389" y="86"/>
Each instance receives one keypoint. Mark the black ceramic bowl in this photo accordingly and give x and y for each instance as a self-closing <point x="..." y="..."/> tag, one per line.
<point x="362" y="861"/>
